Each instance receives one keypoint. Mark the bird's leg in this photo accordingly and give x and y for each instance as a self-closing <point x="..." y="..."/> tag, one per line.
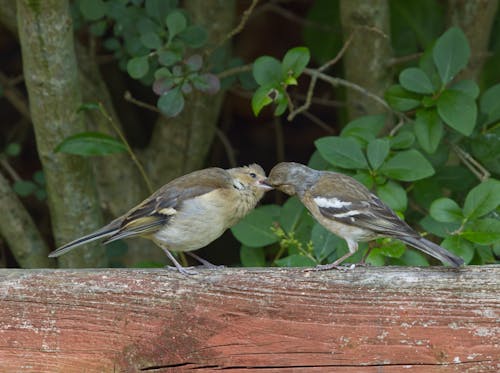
<point x="204" y="262"/>
<point x="365" y="256"/>
<point x="179" y="267"/>
<point x="353" y="247"/>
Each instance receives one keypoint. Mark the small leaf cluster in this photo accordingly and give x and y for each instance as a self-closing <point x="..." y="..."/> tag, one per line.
<point x="416" y="165"/>
<point x="476" y="223"/>
<point x="274" y="76"/>
<point x="154" y="41"/>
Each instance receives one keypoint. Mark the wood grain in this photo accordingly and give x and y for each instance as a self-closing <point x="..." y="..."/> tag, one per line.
<point x="363" y="320"/>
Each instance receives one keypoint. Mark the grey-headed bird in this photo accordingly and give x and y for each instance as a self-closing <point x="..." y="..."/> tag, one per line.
<point x="348" y="209"/>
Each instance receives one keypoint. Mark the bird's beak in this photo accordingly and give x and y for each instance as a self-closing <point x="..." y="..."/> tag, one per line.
<point x="264" y="184"/>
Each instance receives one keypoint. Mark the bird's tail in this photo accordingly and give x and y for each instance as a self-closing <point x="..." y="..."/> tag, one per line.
<point x="433" y="250"/>
<point x="106" y="231"/>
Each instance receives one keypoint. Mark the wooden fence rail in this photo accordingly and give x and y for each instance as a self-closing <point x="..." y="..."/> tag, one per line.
<point x="270" y="320"/>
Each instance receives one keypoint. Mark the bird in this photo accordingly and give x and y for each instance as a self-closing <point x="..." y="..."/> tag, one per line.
<point x="348" y="209"/>
<point x="187" y="213"/>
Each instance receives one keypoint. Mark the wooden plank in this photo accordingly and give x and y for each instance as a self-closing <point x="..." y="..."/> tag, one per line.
<point x="363" y="320"/>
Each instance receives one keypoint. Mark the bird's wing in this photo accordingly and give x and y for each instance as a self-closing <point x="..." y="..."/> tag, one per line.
<point x="157" y="210"/>
<point x="343" y="199"/>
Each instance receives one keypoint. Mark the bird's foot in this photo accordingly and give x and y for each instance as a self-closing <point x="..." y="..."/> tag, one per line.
<point x="211" y="266"/>
<point x="184" y="270"/>
<point x="327" y="267"/>
<point x="204" y="263"/>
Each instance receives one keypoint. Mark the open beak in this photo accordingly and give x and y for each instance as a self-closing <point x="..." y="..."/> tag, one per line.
<point x="265" y="185"/>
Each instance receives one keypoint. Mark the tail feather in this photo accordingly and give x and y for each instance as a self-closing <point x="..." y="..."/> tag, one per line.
<point x="106" y="231"/>
<point x="433" y="250"/>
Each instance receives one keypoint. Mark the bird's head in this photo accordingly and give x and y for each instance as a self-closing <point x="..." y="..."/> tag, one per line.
<point x="250" y="177"/>
<point x="291" y="178"/>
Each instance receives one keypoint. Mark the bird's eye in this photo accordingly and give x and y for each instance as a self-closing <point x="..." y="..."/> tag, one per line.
<point x="253" y="175"/>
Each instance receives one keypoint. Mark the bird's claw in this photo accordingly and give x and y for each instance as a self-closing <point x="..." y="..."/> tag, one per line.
<point x="184" y="270"/>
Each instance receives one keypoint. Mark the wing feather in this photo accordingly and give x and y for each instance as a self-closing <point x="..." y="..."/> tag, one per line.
<point x="343" y="199"/>
<point x="156" y="211"/>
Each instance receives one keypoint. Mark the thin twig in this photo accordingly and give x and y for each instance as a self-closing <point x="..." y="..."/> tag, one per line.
<point x="127" y="145"/>
<point x="339" y="55"/>
<point x="313" y="118"/>
<point x="399" y="60"/>
<point x="397" y="127"/>
<point x="474" y="166"/>
<point x="235" y="70"/>
<point x="128" y="97"/>
<point x="227" y="146"/>
<point x="8" y="168"/>
<point x="314" y="78"/>
<point x="237" y="29"/>
<point x="345" y="83"/>
<point x="221" y="135"/>
<point x="15" y="96"/>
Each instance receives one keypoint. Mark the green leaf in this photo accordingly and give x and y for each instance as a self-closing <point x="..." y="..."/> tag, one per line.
<point x="262" y="98"/>
<point x="138" y="67"/>
<point x="458" y="110"/>
<point x="490" y="104"/>
<point x="39" y="177"/>
<point x="341" y="151"/>
<point x="451" y="54"/>
<point x="428" y="129"/>
<point x="89" y="144"/>
<point x="460" y="247"/>
<point x="13" y="149"/>
<point x="194" y="36"/>
<point x="176" y="22"/>
<point x="168" y="57"/>
<point x="483" y="231"/>
<point x="394" y="195"/>
<point x="377" y="151"/>
<point x="158" y="9"/>
<point x="400" y="99"/>
<point x="171" y="103"/>
<point x="485" y="149"/>
<point x="255" y="229"/>
<point x="438" y="228"/>
<point x="403" y="140"/>
<point x="390" y="248"/>
<point x="317" y="161"/>
<point x="468" y="87"/>
<point x="409" y="165"/>
<point x="252" y="256"/>
<point x="295" y="260"/>
<point x="446" y="210"/>
<point x="411" y="258"/>
<point x="295" y="61"/>
<point x="324" y="242"/>
<point x="416" y="80"/>
<point x="281" y="107"/>
<point x="151" y="40"/>
<point x="92" y="10"/>
<point x="364" y="128"/>
<point x="482" y="199"/>
<point x="267" y="70"/>
<point x="24" y="187"/>
<point x="290" y="215"/>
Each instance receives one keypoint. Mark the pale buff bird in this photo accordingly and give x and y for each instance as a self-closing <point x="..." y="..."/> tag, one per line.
<point x="187" y="213"/>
